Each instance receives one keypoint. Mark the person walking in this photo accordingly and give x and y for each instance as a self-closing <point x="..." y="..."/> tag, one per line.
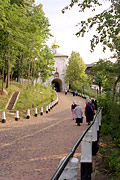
<point x="92" y="105"/>
<point x="73" y="93"/>
<point x="73" y="110"/>
<point x="87" y="99"/>
<point x="79" y="114"/>
<point x="76" y="93"/>
<point x="89" y="111"/>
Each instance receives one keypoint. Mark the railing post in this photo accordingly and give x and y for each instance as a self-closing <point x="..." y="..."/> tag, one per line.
<point x="17" y="116"/>
<point x="41" y="111"/>
<point x="3" y="117"/>
<point x="46" y="109"/>
<point x="36" y="113"/>
<point x="100" y="117"/>
<point x="28" y="114"/>
<point x="97" y="122"/>
<point x="94" y="139"/>
<point x="71" y="170"/>
<point x="86" y="156"/>
<point x="57" y="99"/>
<point x="49" y="107"/>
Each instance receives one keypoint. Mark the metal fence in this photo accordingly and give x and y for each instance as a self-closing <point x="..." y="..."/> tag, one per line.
<point x="97" y="120"/>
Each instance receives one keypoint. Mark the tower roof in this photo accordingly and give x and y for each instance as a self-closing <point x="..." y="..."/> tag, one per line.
<point x="55" y="44"/>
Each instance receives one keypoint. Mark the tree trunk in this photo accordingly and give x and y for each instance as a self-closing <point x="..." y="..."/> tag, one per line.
<point x="3" y="70"/>
<point x="100" y="87"/>
<point x="8" y="65"/>
<point x="29" y="71"/>
<point x="33" y="70"/>
<point x="116" y="81"/>
<point x="8" y="71"/>
<point x="19" y="70"/>
<point x="11" y="76"/>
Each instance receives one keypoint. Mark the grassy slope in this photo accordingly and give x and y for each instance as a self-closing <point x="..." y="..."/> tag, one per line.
<point x="30" y="96"/>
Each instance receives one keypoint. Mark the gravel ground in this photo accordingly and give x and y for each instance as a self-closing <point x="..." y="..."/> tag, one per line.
<point x="30" y="149"/>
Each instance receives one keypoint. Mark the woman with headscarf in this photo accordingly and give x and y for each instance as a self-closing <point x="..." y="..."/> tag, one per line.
<point x="89" y="111"/>
<point x="73" y="110"/>
<point x="79" y="114"/>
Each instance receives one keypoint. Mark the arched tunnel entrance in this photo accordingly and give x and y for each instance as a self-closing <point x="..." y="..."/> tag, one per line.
<point x="57" y="84"/>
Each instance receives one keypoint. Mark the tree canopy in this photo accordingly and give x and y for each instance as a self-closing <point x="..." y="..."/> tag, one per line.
<point x="103" y="72"/>
<point x="24" y="30"/>
<point x="107" y="23"/>
<point x="107" y="28"/>
<point x="75" y="70"/>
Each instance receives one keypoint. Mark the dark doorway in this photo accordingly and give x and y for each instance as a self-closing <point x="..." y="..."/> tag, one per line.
<point x="69" y="86"/>
<point x="57" y="84"/>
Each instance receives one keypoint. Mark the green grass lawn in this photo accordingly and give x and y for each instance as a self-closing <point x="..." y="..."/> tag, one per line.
<point x="30" y="96"/>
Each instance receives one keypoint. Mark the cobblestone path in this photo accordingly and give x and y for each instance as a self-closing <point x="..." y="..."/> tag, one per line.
<point x="30" y="149"/>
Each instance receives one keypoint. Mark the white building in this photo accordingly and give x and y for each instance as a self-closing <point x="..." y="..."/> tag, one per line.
<point x="60" y="65"/>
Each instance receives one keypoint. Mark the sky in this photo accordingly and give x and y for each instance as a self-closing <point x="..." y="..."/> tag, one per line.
<point x="63" y="28"/>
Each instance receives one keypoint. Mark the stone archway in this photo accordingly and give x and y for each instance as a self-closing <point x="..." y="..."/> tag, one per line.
<point x="57" y="84"/>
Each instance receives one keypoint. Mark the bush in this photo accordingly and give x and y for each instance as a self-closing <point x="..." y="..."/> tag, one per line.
<point x="111" y="128"/>
<point x="111" y="116"/>
<point x="111" y="156"/>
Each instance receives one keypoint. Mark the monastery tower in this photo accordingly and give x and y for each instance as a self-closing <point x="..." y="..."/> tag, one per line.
<point x="60" y="65"/>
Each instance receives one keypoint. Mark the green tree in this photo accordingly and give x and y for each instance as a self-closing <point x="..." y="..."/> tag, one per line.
<point x="24" y="30"/>
<point x="106" y="24"/>
<point x="103" y="72"/>
<point x="106" y="73"/>
<point x="75" y="70"/>
<point x="46" y="63"/>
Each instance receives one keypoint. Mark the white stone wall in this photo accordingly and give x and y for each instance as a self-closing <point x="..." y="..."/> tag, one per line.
<point x="60" y="64"/>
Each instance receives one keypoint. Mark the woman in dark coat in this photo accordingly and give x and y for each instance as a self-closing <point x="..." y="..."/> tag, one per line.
<point x="89" y="112"/>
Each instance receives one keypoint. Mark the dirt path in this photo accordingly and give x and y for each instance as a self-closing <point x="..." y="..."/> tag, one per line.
<point x="12" y="100"/>
<point x="31" y="149"/>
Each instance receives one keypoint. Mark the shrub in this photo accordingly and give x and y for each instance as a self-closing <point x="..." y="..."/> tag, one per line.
<point x="111" y="128"/>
